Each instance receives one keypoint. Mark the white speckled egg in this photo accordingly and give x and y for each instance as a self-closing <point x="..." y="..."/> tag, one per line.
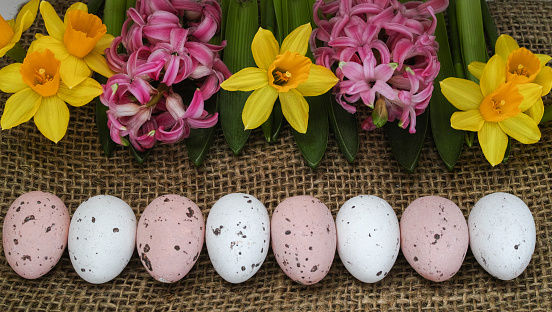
<point x="303" y="238"/>
<point x="368" y="237"/>
<point x="170" y="237"/>
<point x="35" y="233"/>
<point x="102" y="236"/>
<point x="237" y="236"/>
<point x="502" y="235"/>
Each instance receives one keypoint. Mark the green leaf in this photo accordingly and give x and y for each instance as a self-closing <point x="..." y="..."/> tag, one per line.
<point x="313" y="143"/>
<point x="139" y="156"/>
<point x="469" y="138"/>
<point x="454" y="40"/>
<point x="108" y="146"/>
<point x="471" y="34"/>
<point x="94" y="6"/>
<point x="345" y="129"/>
<point x="114" y="16"/>
<point x="273" y="125"/>
<point x="489" y="25"/>
<point x="200" y="140"/>
<point x="407" y="147"/>
<point x="448" y="141"/>
<point x="547" y="115"/>
<point x="130" y="4"/>
<point x="241" y="27"/>
<point x="508" y="151"/>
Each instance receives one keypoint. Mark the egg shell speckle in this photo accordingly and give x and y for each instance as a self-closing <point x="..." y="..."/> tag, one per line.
<point x="169" y="237"/>
<point x="238" y="236"/>
<point x="502" y="235"/>
<point x="303" y="238"/>
<point x="102" y="237"/>
<point x="434" y="237"/>
<point x="35" y="233"/>
<point x="368" y="237"/>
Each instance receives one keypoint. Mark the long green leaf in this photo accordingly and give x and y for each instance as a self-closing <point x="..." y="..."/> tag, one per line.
<point x="489" y="25"/>
<point x="139" y="156"/>
<point x="407" y="147"/>
<point x="470" y="30"/>
<point x="447" y="140"/>
<point x="345" y="129"/>
<point x="547" y="115"/>
<point x="200" y="140"/>
<point x="454" y="41"/>
<point x="94" y="6"/>
<point x="114" y="16"/>
<point x="313" y="143"/>
<point x="240" y="30"/>
<point x="108" y="146"/>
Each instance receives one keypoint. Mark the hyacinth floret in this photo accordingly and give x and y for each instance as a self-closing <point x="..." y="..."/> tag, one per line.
<point x="379" y="49"/>
<point x="166" y="49"/>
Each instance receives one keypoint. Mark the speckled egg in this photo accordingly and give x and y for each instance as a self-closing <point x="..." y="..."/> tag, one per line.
<point x="303" y="238"/>
<point x="238" y="236"/>
<point x="368" y="237"/>
<point x="434" y="237"/>
<point x="502" y="235"/>
<point x="102" y="237"/>
<point x="170" y="237"/>
<point x="35" y="233"/>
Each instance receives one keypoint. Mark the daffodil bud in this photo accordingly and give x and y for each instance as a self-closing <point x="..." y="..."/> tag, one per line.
<point x="379" y="114"/>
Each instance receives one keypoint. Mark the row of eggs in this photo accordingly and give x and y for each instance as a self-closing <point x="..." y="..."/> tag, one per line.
<point x="433" y="235"/>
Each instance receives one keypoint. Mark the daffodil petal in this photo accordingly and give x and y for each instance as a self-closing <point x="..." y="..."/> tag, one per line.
<point x="20" y="108"/>
<point x="52" y="44"/>
<point x="463" y="94"/>
<point x="493" y="142"/>
<point x="81" y="94"/>
<point x="104" y="43"/>
<point x="10" y="79"/>
<point x="6" y="48"/>
<point x="11" y="23"/>
<point x="544" y="59"/>
<point x="27" y="15"/>
<point x="505" y="45"/>
<point x="544" y="78"/>
<point x="536" y="111"/>
<point x="73" y="71"/>
<point x="97" y="63"/>
<point x="53" y="23"/>
<point x="476" y="69"/>
<point x="295" y="109"/>
<point x="264" y="48"/>
<point x="470" y="120"/>
<point x="522" y="128"/>
<point x="74" y="7"/>
<point x="531" y="92"/>
<point x="52" y="118"/>
<point x="247" y="79"/>
<point x="258" y="107"/>
<point x="319" y="82"/>
<point x="494" y="74"/>
<point x="297" y="40"/>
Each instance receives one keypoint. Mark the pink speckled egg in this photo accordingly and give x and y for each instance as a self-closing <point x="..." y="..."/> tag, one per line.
<point x="170" y="237"/>
<point x="434" y="237"/>
<point x="35" y="233"/>
<point x="303" y="238"/>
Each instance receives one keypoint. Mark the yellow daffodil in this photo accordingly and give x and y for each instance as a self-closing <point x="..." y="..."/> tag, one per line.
<point x="40" y="93"/>
<point x="522" y="66"/>
<point x="494" y="108"/>
<point x="11" y="30"/>
<point x="78" y="42"/>
<point x="283" y="72"/>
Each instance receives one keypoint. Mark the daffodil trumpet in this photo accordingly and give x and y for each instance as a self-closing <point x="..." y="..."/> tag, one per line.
<point x="283" y="73"/>
<point x="11" y="31"/>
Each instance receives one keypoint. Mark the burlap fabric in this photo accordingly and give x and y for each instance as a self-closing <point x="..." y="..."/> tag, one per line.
<point x="76" y="169"/>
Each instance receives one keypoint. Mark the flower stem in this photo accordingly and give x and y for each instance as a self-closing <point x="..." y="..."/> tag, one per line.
<point x="160" y="90"/>
<point x="17" y="53"/>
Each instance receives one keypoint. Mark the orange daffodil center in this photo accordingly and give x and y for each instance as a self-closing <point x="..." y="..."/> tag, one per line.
<point x="82" y="33"/>
<point x="288" y="71"/>
<point x="6" y="32"/>
<point x="522" y="66"/>
<point x="501" y="104"/>
<point x="41" y="72"/>
<point x="283" y="73"/>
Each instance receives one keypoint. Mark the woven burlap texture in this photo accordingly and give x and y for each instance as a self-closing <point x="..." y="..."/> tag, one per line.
<point x="76" y="169"/>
